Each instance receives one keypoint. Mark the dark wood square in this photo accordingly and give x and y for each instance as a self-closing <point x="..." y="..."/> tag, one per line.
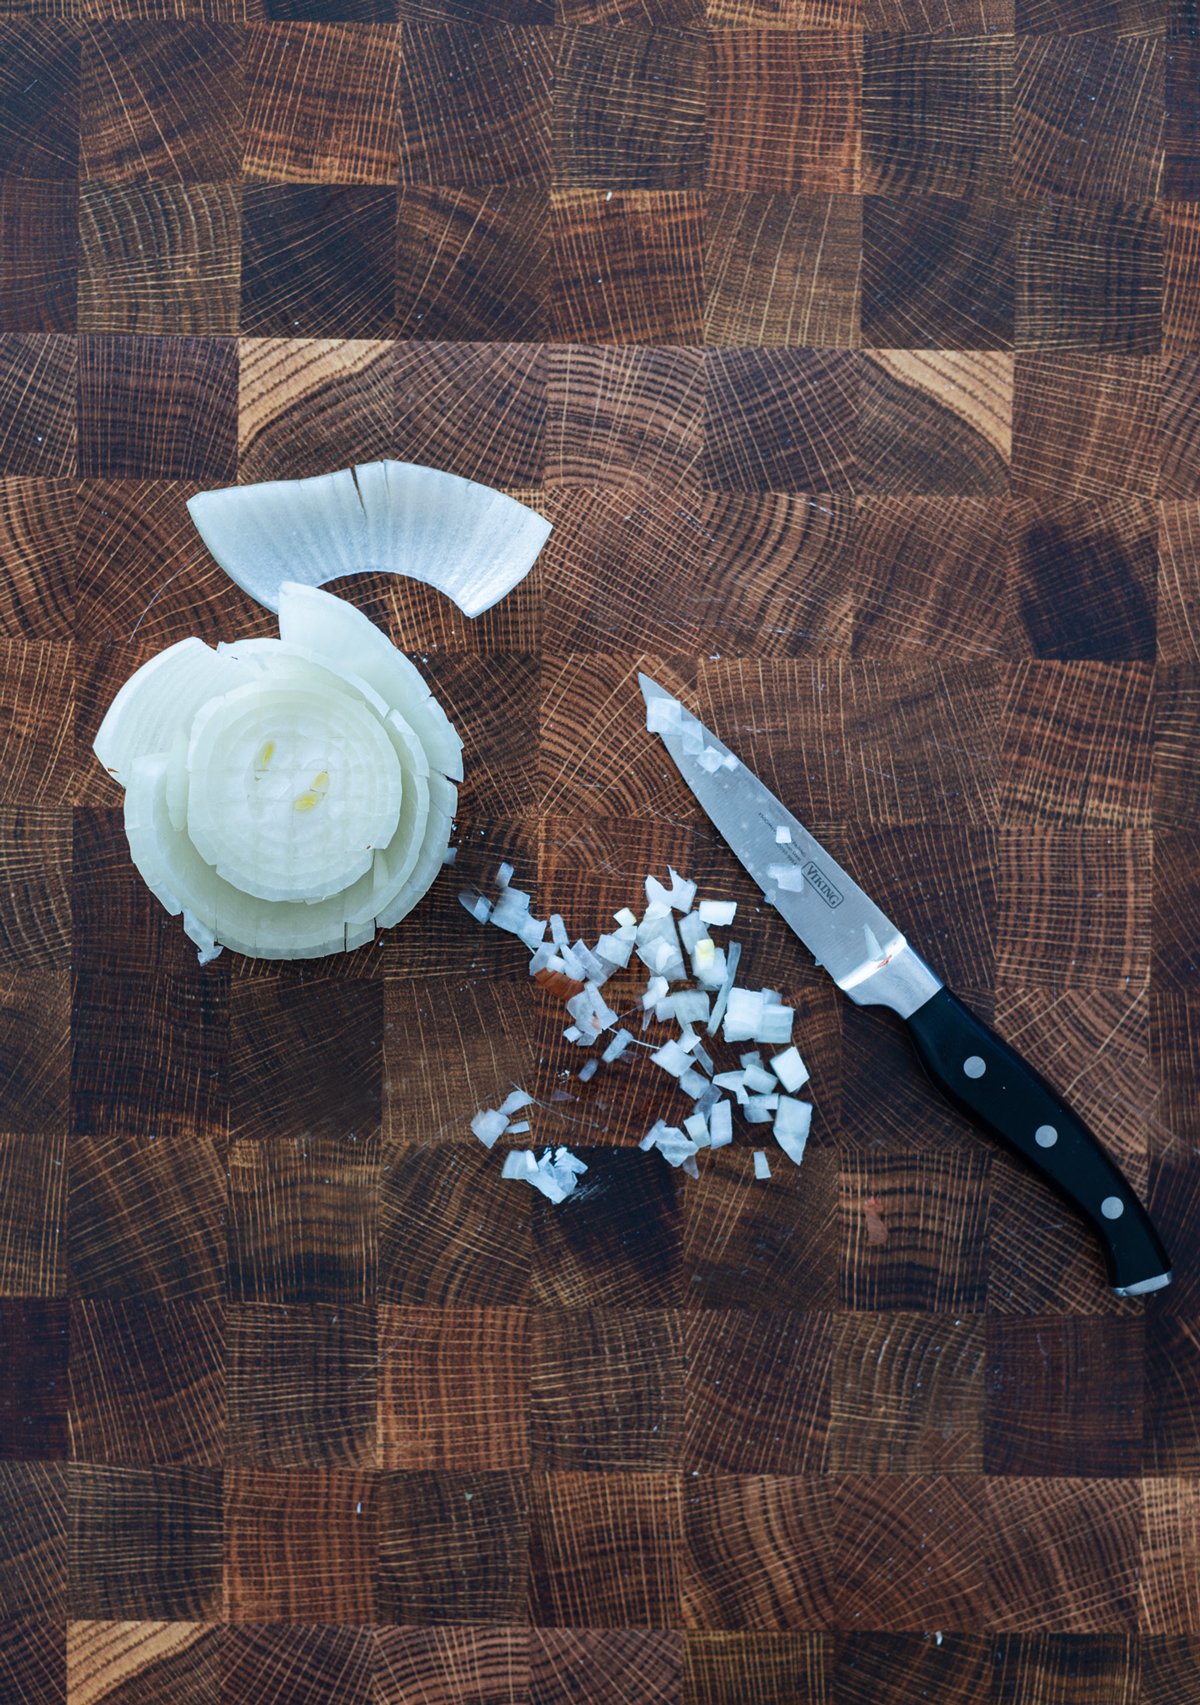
<point x="641" y="1665"/>
<point x="321" y="103"/>
<point x="37" y="547"/>
<point x="936" y="114"/>
<point x="935" y="421"/>
<point x="39" y="255"/>
<point x="779" y="420"/>
<point x="300" y="1545"/>
<point x="453" y="1547"/>
<point x="37" y="841"/>
<point x="938" y="272"/>
<point x="1176" y="880"/>
<point x="879" y="1665"/>
<point x="1180" y="426"/>
<point x="33" y="1560"/>
<point x="1102" y="1670"/>
<point x="1171" y="1442"/>
<point x="605" y="1549"/>
<point x="906" y="1546"/>
<point x="33" y="1661"/>
<point x="302" y="1386"/>
<point x="38" y="377"/>
<point x="303" y="1218"/>
<point x="35" y="1019"/>
<point x="727" y="1581"/>
<point x="1064" y="1396"/>
<point x="312" y="405"/>
<point x="1179" y="582"/>
<point x="36" y="723"/>
<point x="945" y="560"/>
<point x="147" y="1382"/>
<point x="180" y="116"/>
<point x="1089" y="18"/>
<point x="426" y="1195"/>
<point x="1045" y="935"/>
<point x="33" y="1183"/>
<point x="914" y="1230"/>
<point x="1181" y="165"/>
<point x="473" y="409"/>
<point x="757" y="1392"/>
<point x="606" y="1389"/>
<point x="907" y="1394"/>
<point x="282" y="1038"/>
<point x="774" y="1669"/>
<point x="1168" y="1667"/>
<point x="1176" y="801"/>
<point x="798" y="131"/>
<point x="1078" y="1564"/>
<point x="145" y="1544"/>
<point x="624" y="416"/>
<point x="158" y="257"/>
<point x="471" y="264"/>
<point x="1086" y="426"/>
<point x="749" y="1244"/>
<point x="33" y="1379"/>
<point x="782" y="269"/>
<point x="164" y="408"/>
<point x="39" y="96"/>
<point x="629" y="108"/>
<point x="1088" y="116"/>
<point x="941" y="18"/>
<point x="1042" y="1261"/>
<point x="317" y="259"/>
<point x="1085" y="577"/>
<point x="454" y="1387"/>
<point x="1055" y="709"/>
<point x="475" y="104"/>
<point x="477" y="1666"/>
<point x="145" y="1219"/>
<point x="627" y="268"/>
<point x="311" y="1665"/>
<point x="1181" y="276"/>
<point x="1090" y="276"/>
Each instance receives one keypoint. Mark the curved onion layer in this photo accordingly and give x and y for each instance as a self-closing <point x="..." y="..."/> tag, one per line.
<point x="467" y="540"/>
<point x="284" y="803"/>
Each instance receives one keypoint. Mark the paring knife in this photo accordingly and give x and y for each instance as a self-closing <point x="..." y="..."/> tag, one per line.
<point x="870" y="960"/>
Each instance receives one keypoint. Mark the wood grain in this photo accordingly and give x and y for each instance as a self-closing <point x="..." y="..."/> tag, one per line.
<point x="853" y="352"/>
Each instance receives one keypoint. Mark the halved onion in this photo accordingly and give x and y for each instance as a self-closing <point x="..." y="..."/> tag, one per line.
<point x="467" y="540"/>
<point x="281" y="801"/>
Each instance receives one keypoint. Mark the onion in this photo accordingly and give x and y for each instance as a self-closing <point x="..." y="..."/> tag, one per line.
<point x="285" y="797"/>
<point x="470" y="542"/>
<point x="790" y="1069"/>
<point x="718" y="911"/>
<point x="720" y="1125"/>
<point x="761" y="1167"/>
<point x="793" y="1121"/>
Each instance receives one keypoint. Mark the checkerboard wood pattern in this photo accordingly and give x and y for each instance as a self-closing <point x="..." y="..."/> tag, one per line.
<point x="853" y="347"/>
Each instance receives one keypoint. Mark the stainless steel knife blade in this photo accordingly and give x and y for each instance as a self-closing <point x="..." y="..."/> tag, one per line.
<point x="861" y="948"/>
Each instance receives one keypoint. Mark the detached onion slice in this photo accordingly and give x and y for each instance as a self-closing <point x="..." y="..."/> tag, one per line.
<point x="467" y="540"/>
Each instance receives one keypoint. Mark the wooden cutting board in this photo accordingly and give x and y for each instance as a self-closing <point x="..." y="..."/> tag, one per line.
<point x="855" y="355"/>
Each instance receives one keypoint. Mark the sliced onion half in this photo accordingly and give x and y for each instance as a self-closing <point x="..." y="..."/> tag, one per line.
<point x="467" y="540"/>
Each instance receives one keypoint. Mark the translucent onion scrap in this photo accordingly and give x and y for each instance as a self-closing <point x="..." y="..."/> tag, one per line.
<point x="287" y="797"/>
<point x="467" y="540"/>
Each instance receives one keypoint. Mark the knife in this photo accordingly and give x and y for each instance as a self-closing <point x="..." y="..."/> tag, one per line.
<point x="870" y="960"/>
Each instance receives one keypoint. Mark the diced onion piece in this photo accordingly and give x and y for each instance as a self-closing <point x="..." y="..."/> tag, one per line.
<point x="615" y="950"/>
<point x="733" y="1081"/>
<point x="690" y="1006"/>
<point x="672" y="1058"/>
<point x="656" y="988"/>
<point x="467" y="540"/>
<point x="758" y="1081"/>
<point x="588" y="1071"/>
<point x="663" y="715"/>
<point x="709" y="760"/>
<point x="757" y="1110"/>
<point x="518" y="1127"/>
<point x="515" y="1101"/>
<point x="166" y="692"/>
<point x="504" y="875"/>
<point x="743" y="1015"/>
<point x="488" y="1124"/>
<point x="626" y="918"/>
<point x="790" y="1069"/>
<point x="788" y="877"/>
<point x="478" y="905"/>
<point x="720" y="1125"/>
<point x="718" y="911"/>
<point x="692" y="929"/>
<point x="783" y="835"/>
<point x="617" y="1046"/>
<point x="696" y="1126"/>
<point x="776" y="1027"/>
<point x="761" y="1166"/>
<point x="731" y="959"/>
<point x="693" y="1083"/>
<point x="793" y="1121"/>
<point x="519" y="1163"/>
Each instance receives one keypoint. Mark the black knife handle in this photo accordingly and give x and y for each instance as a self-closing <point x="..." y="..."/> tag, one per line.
<point x="992" y="1083"/>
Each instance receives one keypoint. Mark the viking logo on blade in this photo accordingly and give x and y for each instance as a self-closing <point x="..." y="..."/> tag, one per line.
<point x="832" y="896"/>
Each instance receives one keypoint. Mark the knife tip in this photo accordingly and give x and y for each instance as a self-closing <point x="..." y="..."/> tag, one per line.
<point x="651" y="689"/>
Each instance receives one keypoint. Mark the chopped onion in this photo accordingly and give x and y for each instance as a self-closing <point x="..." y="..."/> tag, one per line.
<point x="789" y="877"/>
<point x="518" y="1127"/>
<point x="588" y="1071"/>
<point x="470" y="542"/>
<point x="693" y="1083"/>
<point x="793" y="1121"/>
<point x="758" y="1109"/>
<point x="488" y="1124"/>
<point x="743" y="1015"/>
<point x="728" y="964"/>
<point x="514" y="1102"/>
<point x="626" y="918"/>
<point x="616" y="950"/>
<point x="783" y="835"/>
<point x="758" y="1081"/>
<point x="671" y="1058"/>
<point x="504" y="875"/>
<point x="663" y="715"/>
<point x="718" y="911"/>
<point x="720" y="1125"/>
<point x="761" y="1167"/>
<point x="696" y="1126"/>
<point x="617" y="1046"/>
<point x="790" y="1069"/>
